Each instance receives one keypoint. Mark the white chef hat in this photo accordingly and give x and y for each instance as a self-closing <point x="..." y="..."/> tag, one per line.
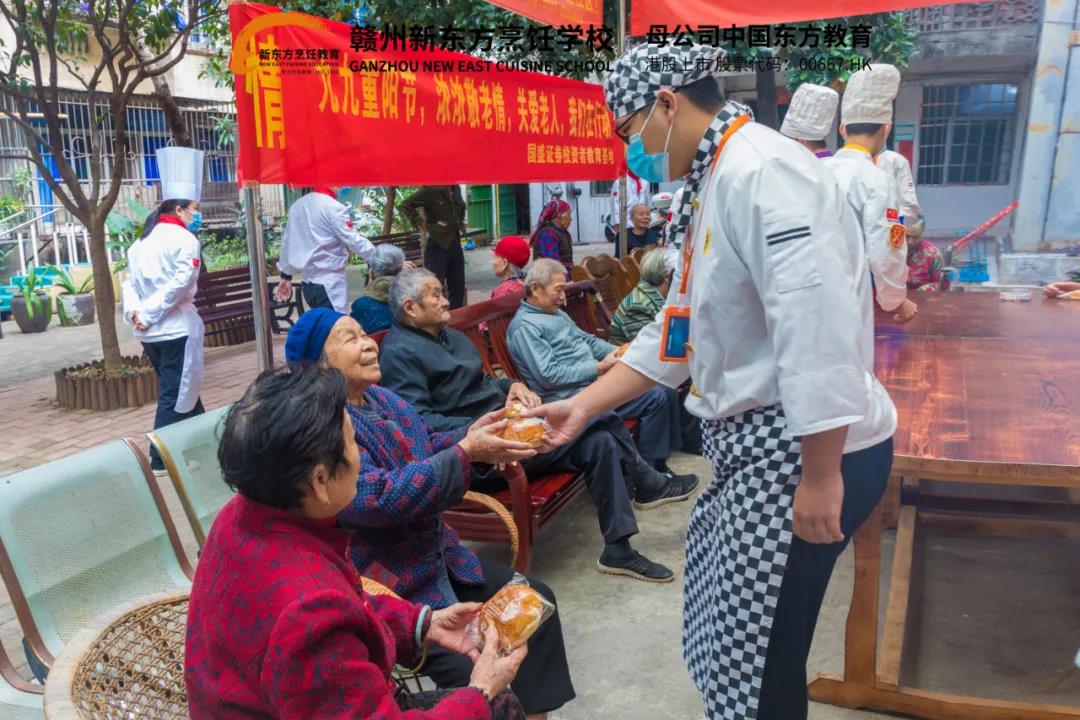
<point x="181" y="171"/>
<point x="869" y="95"/>
<point x="811" y="112"/>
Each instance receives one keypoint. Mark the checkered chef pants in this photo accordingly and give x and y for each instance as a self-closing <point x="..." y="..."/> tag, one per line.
<point x="736" y="551"/>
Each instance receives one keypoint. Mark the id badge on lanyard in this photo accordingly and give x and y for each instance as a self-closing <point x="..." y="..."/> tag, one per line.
<point x="675" y="332"/>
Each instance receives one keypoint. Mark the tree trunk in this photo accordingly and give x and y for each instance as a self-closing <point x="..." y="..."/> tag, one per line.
<point x="765" y="83"/>
<point x="104" y="298"/>
<point x="388" y="215"/>
<point x="173" y="115"/>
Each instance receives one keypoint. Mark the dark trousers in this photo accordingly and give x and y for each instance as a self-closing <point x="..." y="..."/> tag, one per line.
<point x="315" y="295"/>
<point x="809" y="567"/>
<point x="660" y="432"/>
<point x="448" y="264"/>
<point x="167" y="357"/>
<point x="604" y="454"/>
<point x="690" y="423"/>
<point x="543" y="681"/>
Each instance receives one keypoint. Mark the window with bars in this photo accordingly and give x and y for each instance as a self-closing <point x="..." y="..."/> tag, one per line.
<point x="966" y="134"/>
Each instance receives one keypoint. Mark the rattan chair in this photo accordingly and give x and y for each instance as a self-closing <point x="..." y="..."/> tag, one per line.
<point x="189" y="451"/>
<point x="127" y="663"/>
<point x="82" y="535"/>
<point x="19" y="699"/>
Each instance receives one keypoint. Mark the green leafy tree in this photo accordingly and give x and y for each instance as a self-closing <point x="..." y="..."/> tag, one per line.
<point x="132" y="41"/>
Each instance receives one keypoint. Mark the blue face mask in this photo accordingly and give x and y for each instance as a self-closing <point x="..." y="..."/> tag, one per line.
<point x="196" y="221"/>
<point x="655" y="167"/>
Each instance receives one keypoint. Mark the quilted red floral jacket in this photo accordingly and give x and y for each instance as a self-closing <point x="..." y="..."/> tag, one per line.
<point x="277" y="627"/>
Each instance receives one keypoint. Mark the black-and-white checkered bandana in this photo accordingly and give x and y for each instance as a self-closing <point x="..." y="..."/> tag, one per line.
<point x="699" y="168"/>
<point x="642" y="71"/>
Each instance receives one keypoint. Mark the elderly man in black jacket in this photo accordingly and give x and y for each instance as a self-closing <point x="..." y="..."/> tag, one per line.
<point x="438" y="370"/>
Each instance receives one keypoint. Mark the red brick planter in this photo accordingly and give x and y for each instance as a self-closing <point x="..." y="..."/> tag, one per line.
<point x="136" y="387"/>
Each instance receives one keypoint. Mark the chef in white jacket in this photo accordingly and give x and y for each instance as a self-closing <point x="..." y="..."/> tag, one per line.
<point x="774" y="293"/>
<point x="896" y="166"/>
<point x="159" y="291"/>
<point x="865" y="119"/>
<point x="318" y="239"/>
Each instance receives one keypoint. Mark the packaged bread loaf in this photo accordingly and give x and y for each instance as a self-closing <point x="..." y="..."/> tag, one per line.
<point x="516" y="612"/>
<point x="526" y="430"/>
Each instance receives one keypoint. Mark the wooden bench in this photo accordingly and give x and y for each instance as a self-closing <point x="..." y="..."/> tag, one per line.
<point x="224" y="302"/>
<point x="532" y="503"/>
<point x="409" y="242"/>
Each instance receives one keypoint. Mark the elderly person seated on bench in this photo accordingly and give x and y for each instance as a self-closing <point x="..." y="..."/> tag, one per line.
<point x="372" y="309"/>
<point x="641" y="306"/>
<point x="278" y="625"/>
<point x="408" y="475"/>
<point x="438" y="370"/>
<point x="557" y="358"/>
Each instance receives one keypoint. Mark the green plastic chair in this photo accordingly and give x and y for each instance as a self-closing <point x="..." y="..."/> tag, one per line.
<point x="82" y="535"/>
<point x="189" y="451"/>
<point x="19" y="699"/>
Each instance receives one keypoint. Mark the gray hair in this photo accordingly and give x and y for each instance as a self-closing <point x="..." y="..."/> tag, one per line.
<point x="641" y="205"/>
<point x="542" y="272"/>
<point x="386" y="260"/>
<point x="654" y="267"/>
<point x="408" y="285"/>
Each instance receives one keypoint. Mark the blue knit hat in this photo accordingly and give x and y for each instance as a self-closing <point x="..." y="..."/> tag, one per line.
<point x="308" y="335"/>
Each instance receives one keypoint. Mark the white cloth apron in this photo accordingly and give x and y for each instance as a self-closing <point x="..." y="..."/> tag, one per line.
<point x="737" y="548"/>
<point x="191" y="381"/>
<point x="337" y="288"/>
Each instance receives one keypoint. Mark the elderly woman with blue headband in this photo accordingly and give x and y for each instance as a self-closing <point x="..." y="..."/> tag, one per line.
<point x="409" y="474"/>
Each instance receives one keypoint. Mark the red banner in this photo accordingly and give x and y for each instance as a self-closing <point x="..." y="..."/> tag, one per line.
<point x="645" y="13"/>
<point x="557" y="12"/>
<point x="311" y="111"/>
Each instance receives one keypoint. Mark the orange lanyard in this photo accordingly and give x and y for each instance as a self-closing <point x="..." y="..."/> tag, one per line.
<point x="688" y="251"/>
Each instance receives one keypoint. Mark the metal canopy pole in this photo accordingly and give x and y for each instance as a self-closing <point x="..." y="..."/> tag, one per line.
<point x="622" y="178"/>
<point x="264" y="350"/>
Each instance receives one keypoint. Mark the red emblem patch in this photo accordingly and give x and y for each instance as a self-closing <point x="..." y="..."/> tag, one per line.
<point x="348" y="224"/>
<point x="195" y="262"/>
<point x="892" y="215"/>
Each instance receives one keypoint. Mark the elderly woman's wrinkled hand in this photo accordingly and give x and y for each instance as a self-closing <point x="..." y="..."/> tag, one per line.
<point x="484" y="442"/>
<point x="448" y="627"/>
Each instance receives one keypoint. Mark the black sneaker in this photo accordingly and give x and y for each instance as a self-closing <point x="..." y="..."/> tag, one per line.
<point x="676" y="489"/>
<point x="634" y="565"/>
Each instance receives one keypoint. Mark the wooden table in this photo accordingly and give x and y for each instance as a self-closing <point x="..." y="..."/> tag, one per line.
<point x="987" y="393"/>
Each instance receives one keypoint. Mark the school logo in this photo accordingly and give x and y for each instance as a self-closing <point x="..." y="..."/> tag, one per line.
<point x="892" y="215"/>
<point x="897" y="236"/>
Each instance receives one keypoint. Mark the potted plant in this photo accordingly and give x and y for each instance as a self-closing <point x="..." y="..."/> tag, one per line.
<point x="32" y="308"/>
<point x="75" y="303"/>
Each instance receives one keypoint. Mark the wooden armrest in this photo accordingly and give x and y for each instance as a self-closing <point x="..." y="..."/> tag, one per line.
<point x="499" y="509"/>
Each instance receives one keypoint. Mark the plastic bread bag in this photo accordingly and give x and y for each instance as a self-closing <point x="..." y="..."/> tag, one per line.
<point x="526" y="430"/>
<point x="517" y="611"/>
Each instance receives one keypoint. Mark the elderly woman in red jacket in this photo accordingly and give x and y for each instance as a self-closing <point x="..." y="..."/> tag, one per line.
<point x="278" y="626"/>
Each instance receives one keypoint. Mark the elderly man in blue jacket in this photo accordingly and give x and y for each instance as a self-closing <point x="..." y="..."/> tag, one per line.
<point x="557" y="358"/>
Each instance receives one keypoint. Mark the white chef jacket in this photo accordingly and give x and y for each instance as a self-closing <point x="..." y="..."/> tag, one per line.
<point x="162" y="277"/>
<point x="896" y="166"/>
<point x="318" y="238"/>
<point x="637" y="193"/>
<point x="871" y="195"/>
<point x="780" y="299"/>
